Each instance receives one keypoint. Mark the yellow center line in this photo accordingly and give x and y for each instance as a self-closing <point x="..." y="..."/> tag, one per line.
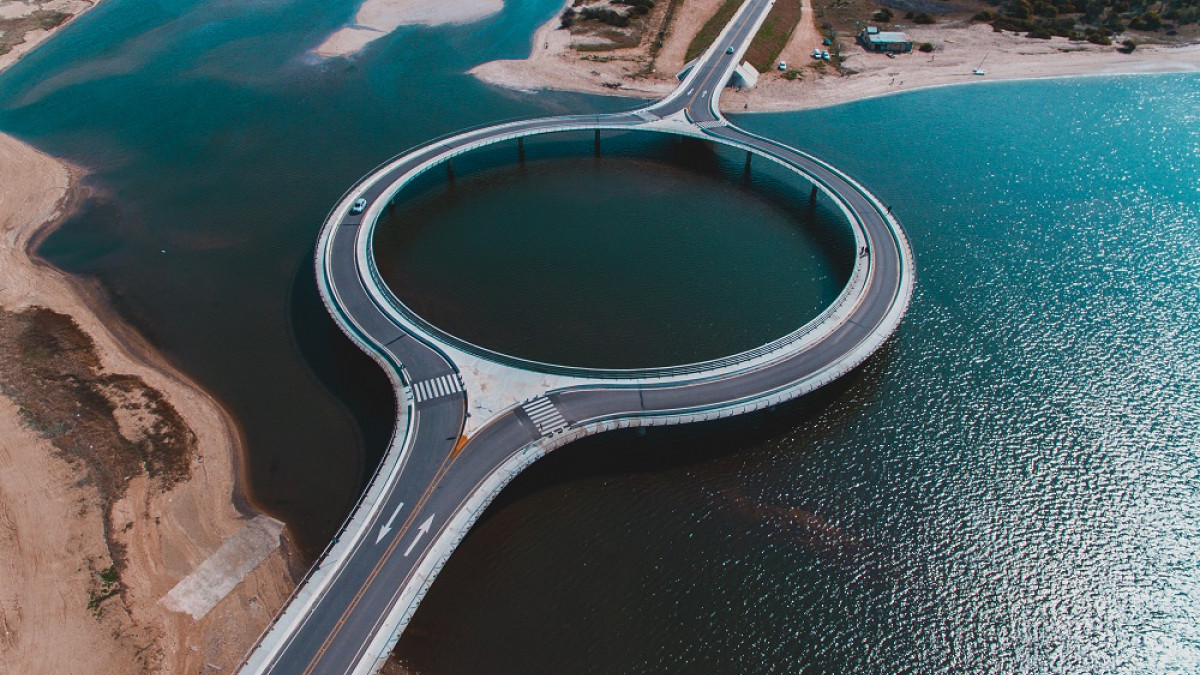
<point x="441" y="472"/>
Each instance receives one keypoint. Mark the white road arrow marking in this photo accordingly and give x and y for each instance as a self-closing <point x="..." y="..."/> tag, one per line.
<point x="420" y="533"/>
<point x="387" y="527"/>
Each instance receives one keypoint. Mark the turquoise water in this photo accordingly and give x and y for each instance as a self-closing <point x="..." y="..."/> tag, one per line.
<point x="1009" y="486"/>
<point x="216" y="146"/>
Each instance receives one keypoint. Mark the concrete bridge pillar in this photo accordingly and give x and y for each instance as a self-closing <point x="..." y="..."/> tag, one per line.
<point x="596" y="147"/>
<point x="521" y="150"/>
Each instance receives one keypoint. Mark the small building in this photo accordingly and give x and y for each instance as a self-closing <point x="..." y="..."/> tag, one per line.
<point x="875" y="41"/>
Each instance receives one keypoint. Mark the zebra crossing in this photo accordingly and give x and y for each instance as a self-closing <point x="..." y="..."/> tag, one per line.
<point x="711" y="124"/>
<point x="437" y="387"/>
<point x="544" y="415"/>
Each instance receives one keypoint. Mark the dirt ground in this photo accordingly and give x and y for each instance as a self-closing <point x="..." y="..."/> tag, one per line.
<point x="80" y="590"/>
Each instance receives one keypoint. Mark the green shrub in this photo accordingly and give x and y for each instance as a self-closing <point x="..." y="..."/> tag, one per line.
<point x="604" y="15"/>
<point x="47" y="19"/>
<point x="926" y="47"/>
<point x="924" y="18"/>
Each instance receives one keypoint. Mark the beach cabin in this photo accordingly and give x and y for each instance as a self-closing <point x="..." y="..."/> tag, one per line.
<point x="875" y="41"/>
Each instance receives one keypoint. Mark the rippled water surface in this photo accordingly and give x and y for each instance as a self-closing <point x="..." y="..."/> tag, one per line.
<point x="1009" y="486"/>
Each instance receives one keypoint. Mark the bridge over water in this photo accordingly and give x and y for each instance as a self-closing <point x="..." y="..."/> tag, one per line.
<point x="470" y="419"/>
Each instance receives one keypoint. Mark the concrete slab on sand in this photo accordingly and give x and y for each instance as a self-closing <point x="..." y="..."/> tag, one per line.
<point x="221" y="572"/>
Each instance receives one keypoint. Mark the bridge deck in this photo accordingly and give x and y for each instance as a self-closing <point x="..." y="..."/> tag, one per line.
<point x="443" y="466"/>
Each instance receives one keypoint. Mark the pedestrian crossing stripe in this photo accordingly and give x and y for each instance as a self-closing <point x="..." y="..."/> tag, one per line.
<point x="545" y="415"/>
<point x="437" y="387"/>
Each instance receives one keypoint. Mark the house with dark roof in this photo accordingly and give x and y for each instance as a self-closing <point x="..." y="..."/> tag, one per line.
<point x="873" y="40"/>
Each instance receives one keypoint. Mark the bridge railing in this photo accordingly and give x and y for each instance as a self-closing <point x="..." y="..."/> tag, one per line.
<point x="845" y="296"/>
<point x="396" y="370"/>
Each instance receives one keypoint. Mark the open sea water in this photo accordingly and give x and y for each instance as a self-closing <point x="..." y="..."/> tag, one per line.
<point x="1009" y="486"/>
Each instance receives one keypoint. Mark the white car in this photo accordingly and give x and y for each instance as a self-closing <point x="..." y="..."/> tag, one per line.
<point x="359" y="205"/>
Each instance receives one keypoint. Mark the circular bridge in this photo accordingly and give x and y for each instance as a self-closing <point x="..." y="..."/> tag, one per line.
<point x="469" y="419"/>
<point x="582" y="401"/>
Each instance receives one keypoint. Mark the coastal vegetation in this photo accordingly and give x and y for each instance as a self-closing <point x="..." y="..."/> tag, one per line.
<point x="13" y="30"/>
<point x="768" y="43"/>
<point x="711" y="29"/>
<point x="1096" y="21"/>
<point x="613" y="24"/>
<point x="111" y="426"/>
<point x="774" y="34"/>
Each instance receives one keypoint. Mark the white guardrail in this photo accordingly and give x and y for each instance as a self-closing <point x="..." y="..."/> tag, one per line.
<point x="328" y="564"/>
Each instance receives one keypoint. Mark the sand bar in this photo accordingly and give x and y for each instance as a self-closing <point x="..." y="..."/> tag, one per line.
<point x="377" y="18"/>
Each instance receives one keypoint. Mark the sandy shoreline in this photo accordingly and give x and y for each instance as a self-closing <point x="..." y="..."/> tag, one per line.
<point x="959" y="49"/>
<point x="46" y="624"/>
<point x="375" y="19"/>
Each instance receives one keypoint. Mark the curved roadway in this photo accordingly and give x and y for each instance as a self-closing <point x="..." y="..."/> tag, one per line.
<point x="435" y="480"/>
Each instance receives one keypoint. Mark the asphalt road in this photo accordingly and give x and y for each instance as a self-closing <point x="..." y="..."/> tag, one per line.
<point x="438" y="469"/>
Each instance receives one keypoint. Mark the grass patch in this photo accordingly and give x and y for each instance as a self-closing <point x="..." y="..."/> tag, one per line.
<point x="774" y="34"/>
<point x="711" y="29"/>
<point x="772" y="37"/>
<point x="12" y="31"/>
<point x="109" y="586"/>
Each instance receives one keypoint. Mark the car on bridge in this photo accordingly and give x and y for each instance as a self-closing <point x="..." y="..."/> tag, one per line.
<point x="359" y="205"/>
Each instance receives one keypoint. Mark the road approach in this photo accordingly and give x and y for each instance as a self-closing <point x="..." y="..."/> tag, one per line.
<point x="469" y="419"/>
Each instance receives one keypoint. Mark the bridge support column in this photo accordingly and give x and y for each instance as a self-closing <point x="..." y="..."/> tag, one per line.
<point x="521" y="150"/>
<point x="450" y="170"/>
<point x="748" y="157"/>
<point x="596" y="143"/>
<point x="812" y="196"/>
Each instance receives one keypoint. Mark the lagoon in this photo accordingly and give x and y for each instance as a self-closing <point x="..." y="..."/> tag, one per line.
<point x="1009" y="486"/>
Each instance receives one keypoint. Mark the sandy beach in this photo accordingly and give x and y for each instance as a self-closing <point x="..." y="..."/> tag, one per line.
<point x="959" y="49"/>
<point x="62" y="607"/>
<point x="376" y="18"/>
